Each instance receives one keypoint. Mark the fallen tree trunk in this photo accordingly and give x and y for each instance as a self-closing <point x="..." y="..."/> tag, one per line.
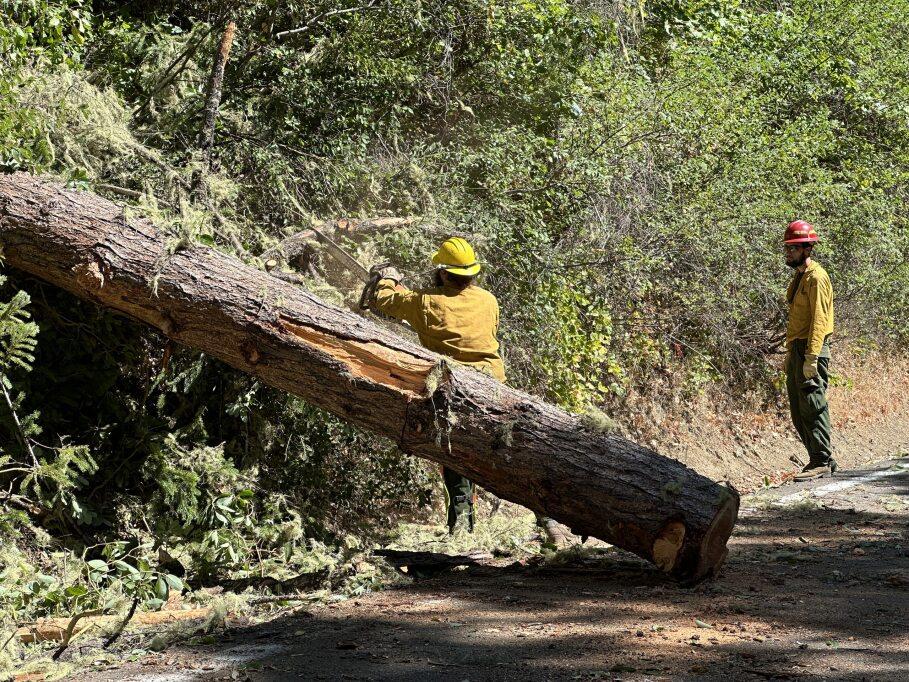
<point x="517" y="446"/>
<point x="401" y="557"/>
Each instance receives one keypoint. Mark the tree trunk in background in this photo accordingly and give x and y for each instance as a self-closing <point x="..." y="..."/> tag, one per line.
<point x="517" y="446"/>
<point x="213" y="102"/>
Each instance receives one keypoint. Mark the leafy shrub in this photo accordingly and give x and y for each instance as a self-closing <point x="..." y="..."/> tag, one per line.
<point x="624" y="169"/>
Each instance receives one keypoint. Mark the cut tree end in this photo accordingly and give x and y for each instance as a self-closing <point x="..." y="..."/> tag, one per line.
<point x="705" y="559"/>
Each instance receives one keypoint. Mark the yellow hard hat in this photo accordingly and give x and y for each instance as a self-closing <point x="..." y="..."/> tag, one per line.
<point x="457" y="257"/>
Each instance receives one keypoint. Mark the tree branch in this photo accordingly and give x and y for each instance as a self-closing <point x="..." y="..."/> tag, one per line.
<point x="68" y="635"/>
<point x="169" y="77"/>
<point x="114" y="637"/>
<point x="325" y="15"/>
<point x="207" y="137"/>
<point x="19" y="431"/>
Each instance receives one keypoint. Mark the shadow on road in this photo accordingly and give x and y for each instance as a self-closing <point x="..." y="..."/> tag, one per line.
<point x="816" y="587"/>
<point x="809" y="591"/>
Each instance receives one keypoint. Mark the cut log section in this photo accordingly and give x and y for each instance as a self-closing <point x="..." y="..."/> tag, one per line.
<point x="517" y="446"/>
<point x="54" y="629"/>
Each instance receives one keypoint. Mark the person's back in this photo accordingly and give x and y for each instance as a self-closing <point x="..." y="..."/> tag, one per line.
<point x="460" y="323"/>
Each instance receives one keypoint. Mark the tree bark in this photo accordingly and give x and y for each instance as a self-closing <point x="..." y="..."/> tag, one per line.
<point x="432" y="560"/>
<point x="517" y="446"/>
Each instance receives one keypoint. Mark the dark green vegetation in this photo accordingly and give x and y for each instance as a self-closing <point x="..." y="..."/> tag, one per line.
<point x="624" y="169"/>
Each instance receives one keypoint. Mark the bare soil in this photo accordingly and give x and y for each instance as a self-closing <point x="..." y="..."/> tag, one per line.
<point x="869" y="410"/>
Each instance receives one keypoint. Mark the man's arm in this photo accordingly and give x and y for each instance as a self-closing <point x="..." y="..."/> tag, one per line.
<point x="820" y="305"/>
<point x="396" y="300"/>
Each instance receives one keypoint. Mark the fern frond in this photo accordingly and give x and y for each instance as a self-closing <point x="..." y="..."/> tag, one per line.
<point x="18" y="334"/>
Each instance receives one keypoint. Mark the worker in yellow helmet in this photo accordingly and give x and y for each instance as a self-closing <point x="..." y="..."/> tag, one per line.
<point x="455" y="318"/>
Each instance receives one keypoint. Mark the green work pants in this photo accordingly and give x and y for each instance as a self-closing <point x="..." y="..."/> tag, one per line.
<point x="808" y="403"/>
<point x="459" y="495"/>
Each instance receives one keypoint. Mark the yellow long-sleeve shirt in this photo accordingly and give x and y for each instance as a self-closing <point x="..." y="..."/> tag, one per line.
<point x="810" y="308"/>
<point x="459" y="323"/>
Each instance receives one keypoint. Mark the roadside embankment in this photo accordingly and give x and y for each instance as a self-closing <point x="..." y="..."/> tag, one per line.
<point x="869" y="406"/>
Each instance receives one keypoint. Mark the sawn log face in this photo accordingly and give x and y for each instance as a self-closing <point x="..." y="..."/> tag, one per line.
<point x="517" y="446"/>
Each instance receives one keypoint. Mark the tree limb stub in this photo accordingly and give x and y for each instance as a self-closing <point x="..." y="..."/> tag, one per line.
<point x="517" y="446"/>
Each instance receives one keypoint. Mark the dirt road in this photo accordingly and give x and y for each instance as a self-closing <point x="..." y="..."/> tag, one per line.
<point x="816" y="587"/>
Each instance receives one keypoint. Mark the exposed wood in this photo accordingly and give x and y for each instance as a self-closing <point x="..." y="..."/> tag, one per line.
<point x="126" y="192"/>
<point x="668" y="543"/>
<point x="511" y="443"/>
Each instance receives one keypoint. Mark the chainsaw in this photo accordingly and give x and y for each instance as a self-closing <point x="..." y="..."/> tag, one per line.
<point x="369" y="277"/>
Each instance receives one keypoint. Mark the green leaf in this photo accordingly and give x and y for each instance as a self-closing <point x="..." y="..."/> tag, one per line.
<point x="161" y="589"/>
<point x="124" y="567"/>
<point x="154" y="604"/>
<point x="173" y="582"/>
<point x="75" y="591"/>
<point x="98" y="565"/>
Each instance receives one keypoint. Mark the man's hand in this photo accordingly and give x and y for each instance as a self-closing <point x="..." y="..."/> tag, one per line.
<point x="386" y="272"/>
<point x="809" y="369"/>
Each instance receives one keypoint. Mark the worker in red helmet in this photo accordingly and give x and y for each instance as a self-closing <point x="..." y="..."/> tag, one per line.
<point x="810" y="298"/>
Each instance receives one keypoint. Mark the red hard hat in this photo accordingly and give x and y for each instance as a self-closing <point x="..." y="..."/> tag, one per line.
<point x="800" y="232"/>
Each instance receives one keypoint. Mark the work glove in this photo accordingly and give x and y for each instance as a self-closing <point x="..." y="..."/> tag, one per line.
<point x="386" y="272"/>
<point x="809" y="369"/>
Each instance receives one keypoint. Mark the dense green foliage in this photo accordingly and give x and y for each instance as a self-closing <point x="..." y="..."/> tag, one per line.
<point x="624" y="170"/>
